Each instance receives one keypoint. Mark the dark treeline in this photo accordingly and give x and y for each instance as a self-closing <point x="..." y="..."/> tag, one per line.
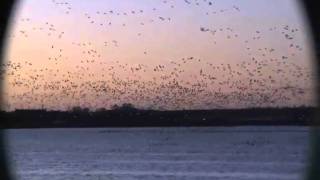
<point x="128" y="116"/>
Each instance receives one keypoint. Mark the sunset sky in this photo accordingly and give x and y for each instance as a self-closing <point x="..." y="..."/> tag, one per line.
<point x="159" y="54"/>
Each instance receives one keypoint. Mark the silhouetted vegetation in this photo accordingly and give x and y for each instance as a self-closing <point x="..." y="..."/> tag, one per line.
<point x="124" y="107"/>
<point x="129" y="116"/>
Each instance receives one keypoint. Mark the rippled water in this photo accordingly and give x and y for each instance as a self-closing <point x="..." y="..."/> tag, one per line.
<point x="235" y="153"/>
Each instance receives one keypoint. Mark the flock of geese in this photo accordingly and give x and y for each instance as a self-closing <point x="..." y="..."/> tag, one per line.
<point x="267" y="77"/>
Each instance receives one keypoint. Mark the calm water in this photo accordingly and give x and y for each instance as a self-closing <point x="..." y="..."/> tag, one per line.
<point x="235" y="153"/>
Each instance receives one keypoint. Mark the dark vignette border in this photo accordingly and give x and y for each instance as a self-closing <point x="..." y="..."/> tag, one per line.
<point x="6" y="8"/>
<point x="312" y="11"/>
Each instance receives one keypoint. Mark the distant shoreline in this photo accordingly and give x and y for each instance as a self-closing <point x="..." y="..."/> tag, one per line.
<point x="298" y="116"/>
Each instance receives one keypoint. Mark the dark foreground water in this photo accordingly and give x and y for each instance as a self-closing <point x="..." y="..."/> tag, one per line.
<point x="213" y="153"/>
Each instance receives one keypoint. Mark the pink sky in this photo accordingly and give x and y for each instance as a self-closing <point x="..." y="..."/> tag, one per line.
<point x="96" y="54"/>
